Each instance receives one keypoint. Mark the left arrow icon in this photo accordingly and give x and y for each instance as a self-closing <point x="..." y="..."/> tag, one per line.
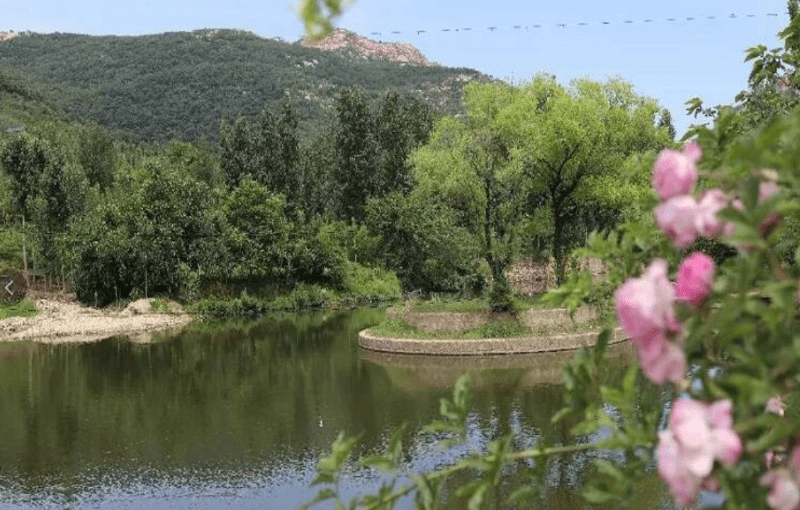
<point x="8" y="287"/>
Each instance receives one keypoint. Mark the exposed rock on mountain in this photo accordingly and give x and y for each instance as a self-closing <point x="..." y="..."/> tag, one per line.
<point x="343" y="41"/>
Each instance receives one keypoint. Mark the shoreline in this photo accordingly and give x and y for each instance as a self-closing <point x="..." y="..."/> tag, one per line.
<point x="66" y="321"/>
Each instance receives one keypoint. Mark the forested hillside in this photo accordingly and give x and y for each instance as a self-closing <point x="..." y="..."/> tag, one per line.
<point x="179" y="85"/>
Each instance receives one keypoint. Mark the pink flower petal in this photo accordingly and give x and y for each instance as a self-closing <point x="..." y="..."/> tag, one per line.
<point x="720" y="414"/>
<point x="676" y="217"/>
<point x="692" y="151"/>
<point x="727" y="446"/>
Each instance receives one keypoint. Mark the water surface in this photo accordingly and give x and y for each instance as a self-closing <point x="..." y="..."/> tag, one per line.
<point x="237" y="414"/>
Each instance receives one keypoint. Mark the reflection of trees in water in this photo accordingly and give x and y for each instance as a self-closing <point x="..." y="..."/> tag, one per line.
<point x="243" y="398"/>
<point x="505" y="402"/>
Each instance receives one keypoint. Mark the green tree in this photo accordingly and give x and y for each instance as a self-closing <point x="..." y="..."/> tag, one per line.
<point x="258" y="234"/>
<point x="98" y="157"/>
<point x="401" y="124"/>
<point x="25" y="160"/>
<point x="355" y="174"/>
<point x="570" y="144"/>
<point x="265" y="148"/>
<point x="422" y="243"/>
<point x="468" y="163"/>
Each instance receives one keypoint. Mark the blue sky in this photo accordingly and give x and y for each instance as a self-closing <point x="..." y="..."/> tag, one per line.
<point x="670" y="61"/>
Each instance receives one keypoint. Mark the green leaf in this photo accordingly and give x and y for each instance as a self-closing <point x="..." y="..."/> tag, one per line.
<point x="476" y="500"/>
<point x="524" y="494"/>
<point x="596" y="495"/>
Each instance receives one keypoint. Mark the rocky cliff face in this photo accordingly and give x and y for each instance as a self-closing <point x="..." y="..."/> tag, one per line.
<point x="360" y="47"/>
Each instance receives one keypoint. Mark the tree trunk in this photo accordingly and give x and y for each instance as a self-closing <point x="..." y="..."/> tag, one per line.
<point x="558" y="247"/>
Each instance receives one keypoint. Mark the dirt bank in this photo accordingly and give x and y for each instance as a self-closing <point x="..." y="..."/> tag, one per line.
<point x="61" y="319"/>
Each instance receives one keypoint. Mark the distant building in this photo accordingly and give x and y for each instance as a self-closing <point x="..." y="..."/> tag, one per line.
<point x="14" y="129"/>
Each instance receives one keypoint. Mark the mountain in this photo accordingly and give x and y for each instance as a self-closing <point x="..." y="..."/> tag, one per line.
<point x="181" y="84"/>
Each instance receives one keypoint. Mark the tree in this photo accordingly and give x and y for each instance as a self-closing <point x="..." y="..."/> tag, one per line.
<point x="539" y="147"/>
<point x="98" y="156"/>
<point x="355" y="174"/>
<point x="422" y="243"/>
<point x="25" y="159"/>
<point x="258" y="234"/>
<point x="372" y="144"/>
<point x="568" y="142"/>
<point x="468" y="164"/>
<point x="265" y="148"/>
<point x="401" y="124"/>
<point x="665" y="121"/>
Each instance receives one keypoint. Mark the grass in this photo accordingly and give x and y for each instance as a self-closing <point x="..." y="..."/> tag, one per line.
<point x="24" y="308"/>
<point x="451" y="304"/>
<point x="160" y="305"/>
<point x="498" y="327"/>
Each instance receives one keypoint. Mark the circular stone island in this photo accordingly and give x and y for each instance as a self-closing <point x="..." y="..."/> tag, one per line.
<point x="438" y="322"/>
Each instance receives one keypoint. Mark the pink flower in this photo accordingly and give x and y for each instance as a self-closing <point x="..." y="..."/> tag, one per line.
<point x="644" y="305"/>
<point x="698" y="434"/>
<point x="694" y="278"/>
<point x="705" y="433"/>
<point x="785" y="492"/>
<point x="676" y="217"/>
<point x="645" y="312"/>
<point x="775" y="405"/>
<point x="675" y="173"/>
<point x="665" y="363"/>
<point x="682" y="484"/>
<point x="706" y="221"/>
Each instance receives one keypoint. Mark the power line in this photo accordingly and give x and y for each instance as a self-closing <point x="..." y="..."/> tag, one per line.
<point x="581" y="24"/>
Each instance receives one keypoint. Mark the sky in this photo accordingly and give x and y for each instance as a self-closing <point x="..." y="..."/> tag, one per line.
<point x="670" y="61"/>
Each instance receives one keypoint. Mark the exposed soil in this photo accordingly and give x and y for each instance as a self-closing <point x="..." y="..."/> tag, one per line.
<point x="62" y="319"/>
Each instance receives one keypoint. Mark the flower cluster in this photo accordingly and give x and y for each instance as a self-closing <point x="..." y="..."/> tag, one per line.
<point x="645" y="312"/>
<point x="680" y="216"/>
<point x="698" y="434"/>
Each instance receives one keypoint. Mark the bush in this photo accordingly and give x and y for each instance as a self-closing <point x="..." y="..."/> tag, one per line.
<point x="366" y="285"/>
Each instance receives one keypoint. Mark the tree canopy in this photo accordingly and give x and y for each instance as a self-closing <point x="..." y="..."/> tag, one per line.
<point x="539" y="150"/>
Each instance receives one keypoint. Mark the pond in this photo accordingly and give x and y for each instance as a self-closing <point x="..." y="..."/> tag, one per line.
<point x="237" y="414"/>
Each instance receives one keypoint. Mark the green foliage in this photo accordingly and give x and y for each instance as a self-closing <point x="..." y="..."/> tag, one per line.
<point x="370" y="285"/>
<point x="318" y="15"/>
<point x="180" y="84"/>
<point x="138" y="234"/>
<point x="98" y="157"/>
<point x="372" y="144"/>
<point x="258" y="232"/>
<point x="525" y="154"/>
<point x="24" y="308"/>
<point x="265" y="148"/>
<point x="500" y="295"/>
<point x="504" y="327"/>
<point x="421" y="241"/>
<point x="25" y="160"/>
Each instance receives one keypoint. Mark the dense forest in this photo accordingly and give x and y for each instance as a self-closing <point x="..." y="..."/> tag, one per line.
<point x="179" y="85"/>
<point x="381" y="194"/>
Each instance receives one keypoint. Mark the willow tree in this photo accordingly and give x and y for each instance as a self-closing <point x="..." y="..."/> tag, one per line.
<point x="569" y="145"/>
<point x="467" y="165"/>
<point x="540" y="150"/>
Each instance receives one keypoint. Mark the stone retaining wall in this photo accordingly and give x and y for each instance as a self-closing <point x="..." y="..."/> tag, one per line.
<point x="482" y="346"/>
<point x="463" y="321"/>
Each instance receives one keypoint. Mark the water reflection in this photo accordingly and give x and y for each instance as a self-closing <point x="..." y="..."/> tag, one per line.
<point x="238" y="413"/>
